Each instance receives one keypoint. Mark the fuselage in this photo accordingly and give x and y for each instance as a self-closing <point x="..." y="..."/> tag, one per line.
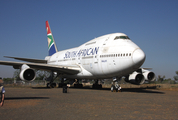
<point x="112" y="55"/>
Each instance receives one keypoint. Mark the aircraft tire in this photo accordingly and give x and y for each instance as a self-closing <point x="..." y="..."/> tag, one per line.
<point x="78" y="85"/>
<point x="48" y="85"/>
<point x="53" y="85"/>
<point x="113" y="88"/>
<point x="96" y="86"/>
<point x="61" y="85"/>
<point x="100" y="86"/>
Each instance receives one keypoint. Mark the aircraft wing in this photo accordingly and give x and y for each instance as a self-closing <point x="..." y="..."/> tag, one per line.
<point x="28" y="59"/>
<point x="55" y="68"/>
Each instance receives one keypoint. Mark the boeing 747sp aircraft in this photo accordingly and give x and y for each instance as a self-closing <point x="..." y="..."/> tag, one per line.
<point x="109" y="56"/>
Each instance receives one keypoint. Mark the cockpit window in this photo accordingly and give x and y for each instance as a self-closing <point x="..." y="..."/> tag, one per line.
<point x="121" y="37"/>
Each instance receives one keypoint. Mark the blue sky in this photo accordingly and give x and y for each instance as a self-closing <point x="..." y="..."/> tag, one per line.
<point x="151" y="24"/>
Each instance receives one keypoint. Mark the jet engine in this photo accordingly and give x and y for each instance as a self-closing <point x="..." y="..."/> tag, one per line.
<point x="140" y="76"/>
<point x="135" y="78"/>
<point x="150" y="76"/>
<point x="27" y="73"/>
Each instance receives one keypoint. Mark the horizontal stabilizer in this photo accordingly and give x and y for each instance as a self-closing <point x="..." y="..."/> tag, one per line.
<point x="147" y="68"/>
<point x="29" y="60"/>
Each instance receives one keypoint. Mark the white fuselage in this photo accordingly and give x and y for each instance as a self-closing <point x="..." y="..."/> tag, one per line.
<point x="103" y="57"/>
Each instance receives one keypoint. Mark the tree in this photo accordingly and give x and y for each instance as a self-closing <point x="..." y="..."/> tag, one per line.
<point x="16" y="74"/>
<point x="160" y="79"/>
<point x="177" y="72"/>
<point x="176" y="77"/>
<point x="7" y="79"/>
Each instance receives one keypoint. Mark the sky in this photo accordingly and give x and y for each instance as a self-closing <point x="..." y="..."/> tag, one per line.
<point x="151" y="24"/>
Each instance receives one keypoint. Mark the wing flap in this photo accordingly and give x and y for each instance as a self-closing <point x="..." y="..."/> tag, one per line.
<point x="56" y="68"/>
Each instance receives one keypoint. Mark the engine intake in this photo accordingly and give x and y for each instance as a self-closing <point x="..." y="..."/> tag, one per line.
<point x="150" y="76"/>
<point x="135" y="78"/>
<point x="27" y="73"/>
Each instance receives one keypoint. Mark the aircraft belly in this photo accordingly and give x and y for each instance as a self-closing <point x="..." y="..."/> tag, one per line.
<point x="92" y="66"/>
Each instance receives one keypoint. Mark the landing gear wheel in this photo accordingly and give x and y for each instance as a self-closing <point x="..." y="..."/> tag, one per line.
<point x="48" y="85"/>
<point x="61" y="85"/>
<point x="113" y="88"/>
<point x="97" y="86"/>
<point x="78" y="85"/>
<point x="53" y="85"/>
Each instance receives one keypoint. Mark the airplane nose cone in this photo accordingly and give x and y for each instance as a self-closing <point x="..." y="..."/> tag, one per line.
<point x="138" y="57"/>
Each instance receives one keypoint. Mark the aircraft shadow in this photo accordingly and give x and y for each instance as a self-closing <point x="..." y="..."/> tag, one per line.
<point x="24" y="98"/>
<point x="141" y="90"/>
<point x="138" y="90"/>
<point x="40" y="88"/>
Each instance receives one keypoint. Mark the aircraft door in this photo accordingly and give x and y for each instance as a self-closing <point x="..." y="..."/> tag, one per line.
<point x="95" y="64"/>
<point x="96" y="59"/>
<point x="105" y="42"/>
<point x="78" y="60"/>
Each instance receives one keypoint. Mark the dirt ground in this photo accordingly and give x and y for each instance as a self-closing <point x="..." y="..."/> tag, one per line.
<point x="88" y="104"/>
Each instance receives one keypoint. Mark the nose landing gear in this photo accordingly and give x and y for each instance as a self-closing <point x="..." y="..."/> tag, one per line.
<point x="115" y="87"/>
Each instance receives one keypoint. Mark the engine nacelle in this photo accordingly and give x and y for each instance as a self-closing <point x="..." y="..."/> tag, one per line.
<point x="27" y="73"/>
<point x="135" y="78"/>
<point x="150" y="76"/>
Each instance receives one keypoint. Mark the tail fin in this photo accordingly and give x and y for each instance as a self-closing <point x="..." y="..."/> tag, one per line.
<point x="51" y="43"/>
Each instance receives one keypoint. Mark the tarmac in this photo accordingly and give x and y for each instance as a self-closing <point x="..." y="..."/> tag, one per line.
<point x="40" y="103"/>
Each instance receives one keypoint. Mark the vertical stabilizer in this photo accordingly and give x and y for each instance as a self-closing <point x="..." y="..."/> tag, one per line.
<point x="51" y="43"/>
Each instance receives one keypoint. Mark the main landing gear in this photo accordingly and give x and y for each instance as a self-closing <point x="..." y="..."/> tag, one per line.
<point x="96" y="85"/>
<point x="77" y="84"/>
<point x="62" y="84"/>
<point x="51" y="79"/>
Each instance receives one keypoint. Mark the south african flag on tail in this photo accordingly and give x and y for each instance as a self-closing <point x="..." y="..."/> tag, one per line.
<point x="51" y="43"/>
